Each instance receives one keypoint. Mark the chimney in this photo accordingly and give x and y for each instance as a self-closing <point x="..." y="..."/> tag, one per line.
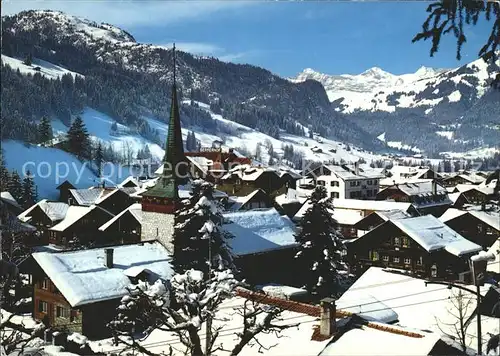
<point x="356" y="168"/>
<point x="327" y="317"/>
<point x="434" y="187"/>
<point x="109" y="257"/>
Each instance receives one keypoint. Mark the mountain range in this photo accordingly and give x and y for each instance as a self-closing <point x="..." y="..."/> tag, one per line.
<point x="129" y="81"/>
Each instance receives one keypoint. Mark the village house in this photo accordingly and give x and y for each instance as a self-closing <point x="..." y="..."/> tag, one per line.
<point x="63" y="189"/>
<point x="345" y="182"/>
<point x="113" y="200"/>
<point x="244" y="179"/>
<point x="258" y="199"/>
<point x="124" y="227"/>
<point x="290" y="202"/>
<point x="422" y="245"/>
<point x="462" y="178"/>
<point x="377" y="218"/>
<point x="79" y="226"/>
<point x="475" y="194"/>
<point x="479" y="226"/>
<point x="44" y="215"/>
<point x="426" y="197"/>
<point x="80" y="290"/>
<point x="406" y="172"/>
<point x="458" y="200"/>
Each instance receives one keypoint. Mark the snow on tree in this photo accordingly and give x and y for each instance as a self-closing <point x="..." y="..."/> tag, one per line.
<point x="44" y="130"/>
<point x="4" y="172"/>
<point x="199" y="240"/>
<point x="78" y="139"/>
<point x="321" y="248"/>
<point x="15" y="187"/>
<point x="29" y="196"/>
<point x="99" y="158"/>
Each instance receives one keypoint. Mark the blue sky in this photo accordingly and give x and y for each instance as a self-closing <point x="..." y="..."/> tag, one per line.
<point x="284" y="37"/>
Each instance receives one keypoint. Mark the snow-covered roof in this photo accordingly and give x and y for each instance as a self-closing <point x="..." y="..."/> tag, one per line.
<point x="487" y="190"/>
<point x="420" y="188"/>
<point x="357" y="204"/>
<point x="55" y="211"/>
<point x="348" y="173"/>
<point x="389" y="181"/>
<point x="83" y="278"/>
<point x="494" y="266"/>
<point x="202" y="163"/>
<point x="347" y="216"/>
<point x="8" y="198"/>
<point x="392" y="214"/>
<point x="454" y="196"/>
<point x="259" y="230"/>
<point x="89" y="196"/>
<point x="248" y="172"/>
<point x="291" y="196"/>
<point x="74" y="214"/>
<point x="423" y="306"/>
<point x="491" y="218"/>
<point x="129" y="179"/>
<point x="240" y="201"/>
<point x="366" y="306"/>
<point x="135" y="210"/>
<point x="432" y="234"/>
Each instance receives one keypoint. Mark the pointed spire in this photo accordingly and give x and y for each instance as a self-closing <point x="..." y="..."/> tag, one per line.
<point x="175" y="166"/>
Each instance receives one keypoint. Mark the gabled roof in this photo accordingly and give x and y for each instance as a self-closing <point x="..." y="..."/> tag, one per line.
<point x="135" y="210"/>
<point x="241" y="201"/>
<point x="486" y="190"/>
<point x="74" y="214"/>
<point x="55" y="211"/>
<point x="420" y="188"/>
<point x="9" y="199"/>
<point x="129" y="179"/>
<point x="82" y="277"/>
<point x="259" y="230"/>
<point x="432" y="234"/>
<point x="88" y="197"/>
<point x="491" y="218"/>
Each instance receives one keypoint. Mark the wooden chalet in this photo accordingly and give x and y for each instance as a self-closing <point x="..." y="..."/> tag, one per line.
<point x="290" y="202"/>
<point x="426" y="197"/>
<point x="258" y="199"/>
<point x="422" y="245"/>
<point x="124" y="227"/>
<point x="377" y="218"/>
<point x="44" y="215"/>
<point x="79" y="291"/>
<point x="462" y="178"/>
<point x="479" y="226"/>
<point x="113" y="200"/>
<point x="63" y="189"/>
<point x="244" y="179"/>
<point x="458" y="200"/>
<point x="475" y="194"/>
<point x="80" y="225"/>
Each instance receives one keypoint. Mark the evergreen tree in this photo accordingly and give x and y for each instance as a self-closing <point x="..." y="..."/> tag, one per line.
<point x="4" y="173"/>
<point x="15" y="187"/>
<point x="44" y="130"/>
<point x="78" y="139"/>
<point x="99" y="159"/>
<point x="28" y="60"/>
<point x="258" y="151"/>
<point x="29" y="195"/>
<point x="321" y="248"/>
<point x="198" y="237"/>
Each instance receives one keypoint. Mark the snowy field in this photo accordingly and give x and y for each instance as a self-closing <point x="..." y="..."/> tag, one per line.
<point x="47" y="69"/>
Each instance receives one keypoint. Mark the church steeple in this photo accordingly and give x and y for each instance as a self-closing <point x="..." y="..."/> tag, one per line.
<point x="175" y="167"/>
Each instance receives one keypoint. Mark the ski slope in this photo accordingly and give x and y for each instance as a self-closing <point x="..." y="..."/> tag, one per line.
<point x="47" y="69"/>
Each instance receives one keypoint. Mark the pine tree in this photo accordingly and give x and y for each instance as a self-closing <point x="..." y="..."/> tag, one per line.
<point x="258" y="151"/>
<point x="15" y="187"/>
<point x="29" y="195"/>
<point x="28" y="60"/>
<point x="198" y="235"/>
<point x="78" y="139"/>
<point x="4" y="173"/>
<point x="44" y="130"/>
<point x="321" y="248"/>
<point x="99" y="159"/>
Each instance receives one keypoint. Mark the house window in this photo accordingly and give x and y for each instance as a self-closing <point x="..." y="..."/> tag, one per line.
<point x="406" y="242"/>
<point x="358" y="183"/>
<point x="321" y="182"/>
<point x="420" y="261"/>
<point x="369" y="182"/>
<point x="480" y="228"/>
<point x="397" y="241"/>
<point x="45" y="284"/>
<point x="395" y="260"/>
<point x="42" y="306"/>
<point x="369" y="192"/>
<point x="62" y="312"/>
<point x="334" y="194"/>
<point x="407" y="261"/>
<point x="385" y="258"/>
<point x="374" y="255"/>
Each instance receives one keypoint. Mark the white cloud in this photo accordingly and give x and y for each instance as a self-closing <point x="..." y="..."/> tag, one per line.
<point x="198" y="48"/>
<point x="129" y="13"/>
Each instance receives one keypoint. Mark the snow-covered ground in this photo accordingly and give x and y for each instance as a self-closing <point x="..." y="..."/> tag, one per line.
<point x="47" y="69"/>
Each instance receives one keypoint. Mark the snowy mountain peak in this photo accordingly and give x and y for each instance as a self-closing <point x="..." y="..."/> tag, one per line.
<point x="376" y="72"/>
<point x="89" y="30"/>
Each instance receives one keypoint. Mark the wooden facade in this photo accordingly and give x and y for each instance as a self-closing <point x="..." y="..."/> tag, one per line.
<point x="475" y="230"/>
<point x="125" y="229"/>
<point x="388" y="246"/>
<point x="42" y="222"/>
<point x="86" y="229"/>
<point x="475" y="196"/>
<point x="64" y="188"/>
<point x="116" y="202"/>
<point x="268" y="181"/>
<point x="436" y="208"/>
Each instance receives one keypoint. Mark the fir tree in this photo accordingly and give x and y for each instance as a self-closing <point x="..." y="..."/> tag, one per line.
<point x="28" y="60"/>
<point x="29" y="195"/>
<point x="99" y="159"/>
<point x="15" y="187"/>
<point x="198" y="236"/>
<point x="4" y="173"/>
<point x="78" y="139"/>
<point x="258" y="151"/>
<point x="321" y="248"/>
<point x="44" y="130"/>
